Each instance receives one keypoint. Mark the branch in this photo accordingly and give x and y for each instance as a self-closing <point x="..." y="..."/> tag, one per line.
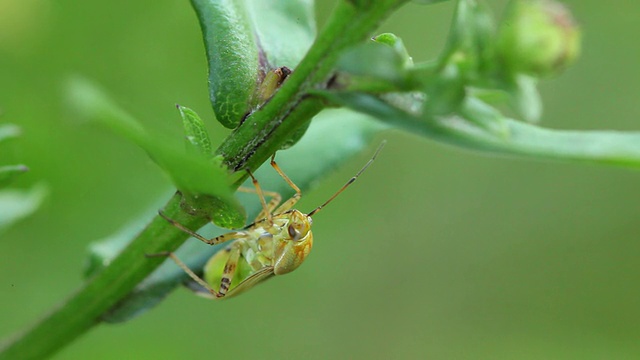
<point x="265" y="132"/>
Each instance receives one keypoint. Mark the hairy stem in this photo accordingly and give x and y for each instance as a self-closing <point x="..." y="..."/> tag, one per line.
<point x="247" y="147"/>
<point x="83" y="309"/>
<point x="265" y="131"/>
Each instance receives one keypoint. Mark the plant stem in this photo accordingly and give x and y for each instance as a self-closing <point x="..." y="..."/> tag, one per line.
<point x="265" y="131"/>
<point x="83" y="309"/>
<point x="249" y="146"/>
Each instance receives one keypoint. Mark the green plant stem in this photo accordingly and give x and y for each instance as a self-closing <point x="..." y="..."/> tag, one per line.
<point x="265" y="131"/>
<point x="247" y="147"/>
<point x="83" y="309"/>
<point x="502" y="136"/>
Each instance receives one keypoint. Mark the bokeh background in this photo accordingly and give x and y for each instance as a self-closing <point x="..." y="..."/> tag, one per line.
<point x="436" y="253"/>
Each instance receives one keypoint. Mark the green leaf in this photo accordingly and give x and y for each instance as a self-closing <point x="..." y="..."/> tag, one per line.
<point x="335" y="136"/>
<point x="193" y="174"/>
<point x="285" y="29"/>
<point x="468" y="57"/>
<point x="233" y="57"/>
<point x="445" y="90"/>
<point x="472" y="33"/>
<point x="9" y="172"/>
<point x="485" y="116"/>
<point x="525" y="98"/>
<point x="365" y="5"/>
<point x="378" y="66"/>
<point x="372" y="59"/>
<point x="9" y="131"/>
<point x="244" y="40"/>
<point x="89" y="102"/>
<point x="196" y="136"/>
<point x="427" y="2"/>
<point x="101" y="253"/>
<point x="18" y="204"/>
<point x="517" y="138"/>
<point x="397" y="44"/>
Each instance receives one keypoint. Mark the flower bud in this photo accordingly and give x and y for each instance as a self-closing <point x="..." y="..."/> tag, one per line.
<point x="538" y="38"/>
<point x="396" y="43"/>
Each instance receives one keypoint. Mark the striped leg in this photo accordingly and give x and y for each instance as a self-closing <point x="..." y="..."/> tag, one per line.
<point x="229" y="269"/>
<point x="213" y="241"/>
<point x="196" y="278"/>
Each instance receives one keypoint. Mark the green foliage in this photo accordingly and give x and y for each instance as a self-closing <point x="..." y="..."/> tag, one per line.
<point x="244" y="40"/>
<point x="233" y="57"/>
<point x="284" y="30"/>
<point x="327" y="147"/>
<point x="452" y="103"/>
<point x="427" y="2"/>
<point x="200" y="179"/>
<point x="16" y="204"/>
<point x="9" y="172"/>
<point x="8" y="131"/>
<point x="196" y="136"/>
<point x="456" y="99"/>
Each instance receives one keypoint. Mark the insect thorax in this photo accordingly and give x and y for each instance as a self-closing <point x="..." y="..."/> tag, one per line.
<point x="284" y="245"/>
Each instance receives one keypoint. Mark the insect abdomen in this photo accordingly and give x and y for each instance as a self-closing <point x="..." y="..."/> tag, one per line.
<point x="214" y="271"/>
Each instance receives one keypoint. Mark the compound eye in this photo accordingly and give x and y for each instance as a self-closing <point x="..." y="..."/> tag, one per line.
<point x="295" y="235"/>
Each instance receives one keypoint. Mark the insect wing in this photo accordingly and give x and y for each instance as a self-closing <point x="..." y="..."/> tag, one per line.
<point x="257" y="277"/>
<point x="244" y="276"/>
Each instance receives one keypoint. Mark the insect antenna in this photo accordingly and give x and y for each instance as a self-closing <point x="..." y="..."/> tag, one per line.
<point x="351" y="181"/>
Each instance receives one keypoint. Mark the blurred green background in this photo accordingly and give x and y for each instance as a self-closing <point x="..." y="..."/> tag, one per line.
<point x="435" y="253"/>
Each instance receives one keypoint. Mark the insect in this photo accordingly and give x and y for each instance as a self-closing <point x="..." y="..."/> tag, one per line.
<point x="277" y="242"/>
<point x="272" y="81"/>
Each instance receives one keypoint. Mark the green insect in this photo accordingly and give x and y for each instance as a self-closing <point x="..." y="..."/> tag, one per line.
<point x="271" y="83"/>
<point x="277" y="242"/>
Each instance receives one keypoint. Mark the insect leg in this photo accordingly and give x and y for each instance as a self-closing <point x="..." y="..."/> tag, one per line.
<point x="276" y="198"/>
<point x="229" y="269"/>
<point x="287" y="205"/>
<point x="265" y="209"/>
<point x="213" y="241"/>
<point x="189" y="272"/>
